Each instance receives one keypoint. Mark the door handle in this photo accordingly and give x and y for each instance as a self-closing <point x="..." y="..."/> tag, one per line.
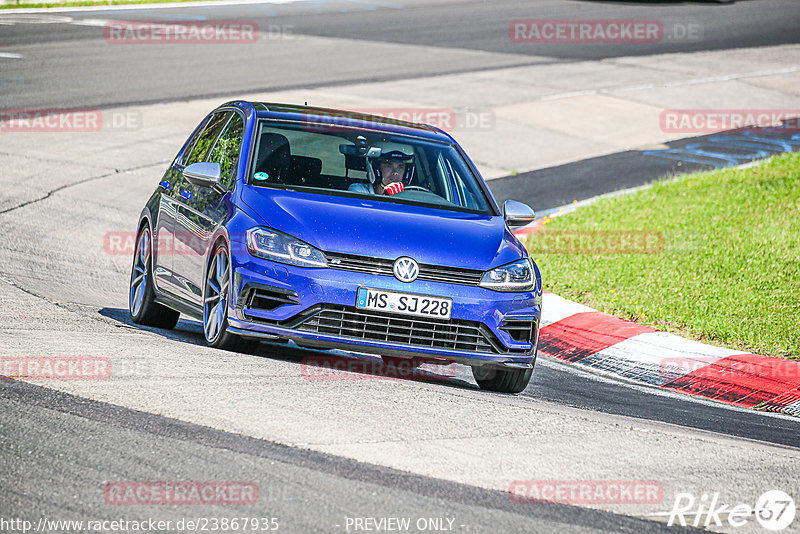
<point x="166" y="185"/>
<point x="186" y="194"/>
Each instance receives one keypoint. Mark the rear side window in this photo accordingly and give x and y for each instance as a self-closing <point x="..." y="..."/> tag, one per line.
<point x="226" y="151"/>
<point x="206" y="140"/>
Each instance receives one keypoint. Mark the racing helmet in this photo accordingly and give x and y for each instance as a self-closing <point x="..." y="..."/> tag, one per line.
<point x="391" y="152"/>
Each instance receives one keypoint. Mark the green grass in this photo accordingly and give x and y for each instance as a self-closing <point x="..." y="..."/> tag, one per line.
<point x="91" y="3"/>
<point x="729" y="270"/>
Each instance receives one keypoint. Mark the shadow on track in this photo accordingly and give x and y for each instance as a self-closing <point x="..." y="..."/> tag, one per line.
<point x="315" y="364"/>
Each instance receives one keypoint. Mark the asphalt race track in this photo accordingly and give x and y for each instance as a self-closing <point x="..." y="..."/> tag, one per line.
<point x="131" y="75"/>
<point x="430" y="448"/>
<point x="309" y="491"/>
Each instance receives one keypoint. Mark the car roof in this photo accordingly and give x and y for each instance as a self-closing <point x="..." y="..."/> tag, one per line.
<point x="344" y="118"/>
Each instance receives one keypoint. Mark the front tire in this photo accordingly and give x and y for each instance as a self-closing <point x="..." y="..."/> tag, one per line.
<point x="502" y="380"/>
<point x="142" y="303"/>
<point x="215" y="305"/>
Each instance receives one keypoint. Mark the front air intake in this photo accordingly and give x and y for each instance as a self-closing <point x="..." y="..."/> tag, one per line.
<point x="520" y="330"/>
<point x="267" y="298"/>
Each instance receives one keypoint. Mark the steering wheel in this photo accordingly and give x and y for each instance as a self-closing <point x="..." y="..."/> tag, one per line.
<point x="417" y="188"/>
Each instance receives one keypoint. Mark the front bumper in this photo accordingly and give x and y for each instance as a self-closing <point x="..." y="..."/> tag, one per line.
<point x="316" y="307"/>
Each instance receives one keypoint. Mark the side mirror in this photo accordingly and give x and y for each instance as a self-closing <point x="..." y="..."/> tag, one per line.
<point x="517" y="214"/>
<point x="203" y="174"/>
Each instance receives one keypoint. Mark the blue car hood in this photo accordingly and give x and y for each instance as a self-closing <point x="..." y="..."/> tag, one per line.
<point x="386" y="230"/>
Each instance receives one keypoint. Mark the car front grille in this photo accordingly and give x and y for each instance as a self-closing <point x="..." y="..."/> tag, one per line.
<point x="380" y="266"/>
<point x="350" y="322"/>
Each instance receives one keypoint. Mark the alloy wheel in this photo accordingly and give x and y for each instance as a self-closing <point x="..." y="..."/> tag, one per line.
<point x="141" y="264"/>
<point x="216" y="295"/>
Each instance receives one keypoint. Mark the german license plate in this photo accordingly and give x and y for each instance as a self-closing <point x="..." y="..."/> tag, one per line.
<point x="404" y="303"/>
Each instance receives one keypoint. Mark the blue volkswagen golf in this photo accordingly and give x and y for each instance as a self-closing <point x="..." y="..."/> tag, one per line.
<point x="338" y="230"/>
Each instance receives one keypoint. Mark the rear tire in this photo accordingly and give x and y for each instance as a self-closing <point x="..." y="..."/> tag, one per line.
<point x="142" y="303"/>
<point x="215" y="306"/>
<point x="502" y="380"/>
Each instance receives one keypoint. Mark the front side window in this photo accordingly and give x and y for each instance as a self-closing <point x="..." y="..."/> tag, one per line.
<point x="351" y="162"/>
<point x="226" y="151"/>
<point x="202" y="146"/>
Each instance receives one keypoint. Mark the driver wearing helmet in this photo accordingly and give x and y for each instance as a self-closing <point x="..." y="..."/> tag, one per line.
<point x="390" y="172"/>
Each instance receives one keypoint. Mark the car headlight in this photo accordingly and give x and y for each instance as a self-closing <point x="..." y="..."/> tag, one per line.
<point x="277" y="246"/>
<point x="517" y="276"/>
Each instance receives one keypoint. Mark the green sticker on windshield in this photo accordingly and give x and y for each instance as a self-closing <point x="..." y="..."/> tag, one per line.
<point x="262" y="176"/>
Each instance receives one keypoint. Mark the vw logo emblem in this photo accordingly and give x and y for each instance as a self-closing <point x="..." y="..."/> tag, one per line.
<point x="405" y="269"/>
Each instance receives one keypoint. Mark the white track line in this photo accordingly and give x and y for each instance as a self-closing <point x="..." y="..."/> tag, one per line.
<point x="133" y="7"/>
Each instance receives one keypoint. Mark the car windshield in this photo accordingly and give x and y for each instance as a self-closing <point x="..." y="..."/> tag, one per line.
<point x="337" y="161"/>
